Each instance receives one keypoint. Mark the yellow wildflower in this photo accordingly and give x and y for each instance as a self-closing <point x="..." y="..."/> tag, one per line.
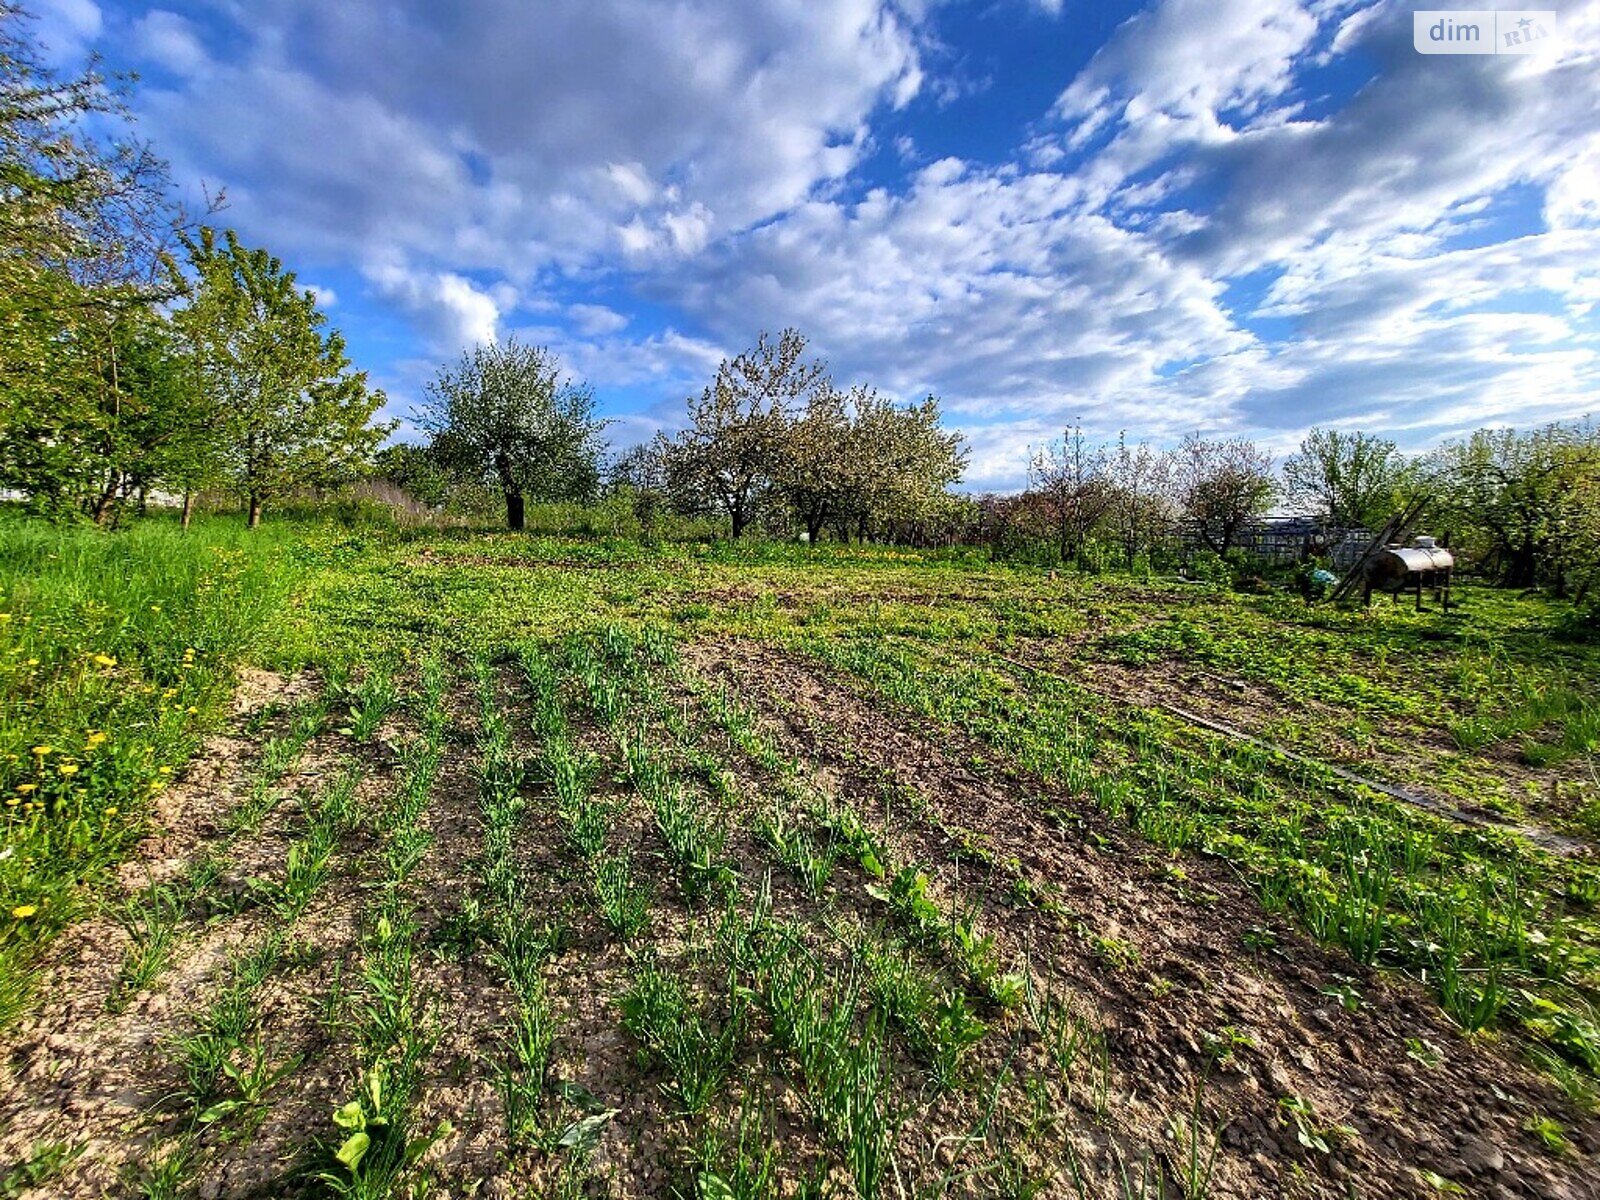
<point x="165" y="770"/>
<point x="25" y="788"/>
<point x="67" y="768"/>
<point x="41" y="751"/>
<point x="12" y="802"/>
<point x="23" y="911"/>
<point x="112" y="811"/>
<point x="105" y="660"/>
<point x="96" y="738"/>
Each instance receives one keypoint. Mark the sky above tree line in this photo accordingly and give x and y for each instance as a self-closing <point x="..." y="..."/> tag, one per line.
<point x="1231" y="216"/>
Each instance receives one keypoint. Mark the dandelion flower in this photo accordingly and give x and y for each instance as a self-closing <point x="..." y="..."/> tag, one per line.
<point x="112" y="811"/>
<point x="23" y="911"/>
<point x="12" y="802"/>
<point x="25" y="788"/>
<point x="67" y="768"/>
<point x="105" y="660"/>
<point x="96" y="738"/>
<point x="165" y="770"/>
<point x="41" y="751"/>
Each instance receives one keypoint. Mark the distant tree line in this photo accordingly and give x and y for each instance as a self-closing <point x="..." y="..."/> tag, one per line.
<point x="139" y="350"/>
<point x="771" y="443"/>
<point x="1521" y="505"/>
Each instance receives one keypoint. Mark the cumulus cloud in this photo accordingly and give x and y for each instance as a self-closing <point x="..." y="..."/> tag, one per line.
<point x="65" y="29"/>
<point x="1005" y="293"/>
<point x="453" y="311"/>
<point x="484" y="136"/>
<point x="169" y="41"/>
<point x="1188" y="60"/>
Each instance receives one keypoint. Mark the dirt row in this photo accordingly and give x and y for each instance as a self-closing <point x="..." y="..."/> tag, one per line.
<point x="75" y="1073"/>
<point x="1462" y="1119"/>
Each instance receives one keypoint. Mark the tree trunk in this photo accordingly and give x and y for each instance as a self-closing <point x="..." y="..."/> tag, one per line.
<point x="516" y="511"/>
<point x="188" y="509"/>
<point x="813" y="529"/>
<point x="1521" y="567"/>
<point x="105" y="501"/>
<point x="254" y="519"/>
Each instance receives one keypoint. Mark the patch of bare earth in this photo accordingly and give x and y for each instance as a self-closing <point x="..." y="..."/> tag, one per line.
<point x="1193" y="977"/>
<point x="73" y="1071"/>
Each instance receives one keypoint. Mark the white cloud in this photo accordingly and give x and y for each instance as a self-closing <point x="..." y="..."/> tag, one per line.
<point x="452" y="311"/>
<point x="999" y="291"/>
<point x="594" y="320"/>
<point x="170" y="41"/>
<point x="1203" y="232"/>
<point x="65" y="29"/>
<point x="1188" y="60"/>
<point x="477" y="136"/>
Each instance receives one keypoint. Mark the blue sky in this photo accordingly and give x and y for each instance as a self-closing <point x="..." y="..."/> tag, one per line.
<point x="1217" y="215"/>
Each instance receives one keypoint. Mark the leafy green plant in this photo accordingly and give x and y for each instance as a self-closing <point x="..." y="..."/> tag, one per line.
<point x="370" y="704"/>
<point x="1310" y="1130"/>
<point x="696" y="1050"/>
<point x="46" y="1162"/>
<point x="953" y="1029"/>
<point x="795" y="849"/>
<point x="375" y="1151"/>
<point x="624" y="902"/>
<point x="151" y="921"/>
<point x="253" y="1075"/>
<point x="1552" y="1135"/>
<point x="525" y="1066"/>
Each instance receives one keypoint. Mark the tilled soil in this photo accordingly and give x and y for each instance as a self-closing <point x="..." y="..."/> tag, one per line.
<point x="1155" y="949"/>
<point x="1193" y="976"/>
<point x="75" y="1072"/>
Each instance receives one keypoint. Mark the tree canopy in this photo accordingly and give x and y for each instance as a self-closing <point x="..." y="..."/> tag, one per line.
<point x="1221" y="486"/>
<point x="289" y="410"/>
<point x="773" y="432"/>
<point x="138" y="351"/>
<point x="1354" y="479"/>
<point x="507" y="415"/>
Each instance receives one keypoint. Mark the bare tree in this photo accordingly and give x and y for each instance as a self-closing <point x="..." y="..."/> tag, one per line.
<point x="1070" y="477"/>
<point x="1222" y="486"/>
<point x="1142" y="505"/>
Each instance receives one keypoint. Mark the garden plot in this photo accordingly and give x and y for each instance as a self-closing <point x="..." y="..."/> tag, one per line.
<point x="543" y="894"/>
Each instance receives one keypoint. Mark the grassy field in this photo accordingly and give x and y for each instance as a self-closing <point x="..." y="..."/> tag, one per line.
<point x="475" y="864"/>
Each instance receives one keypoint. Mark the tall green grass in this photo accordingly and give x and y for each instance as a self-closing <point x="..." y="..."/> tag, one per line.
<point x="117" y="652"/>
